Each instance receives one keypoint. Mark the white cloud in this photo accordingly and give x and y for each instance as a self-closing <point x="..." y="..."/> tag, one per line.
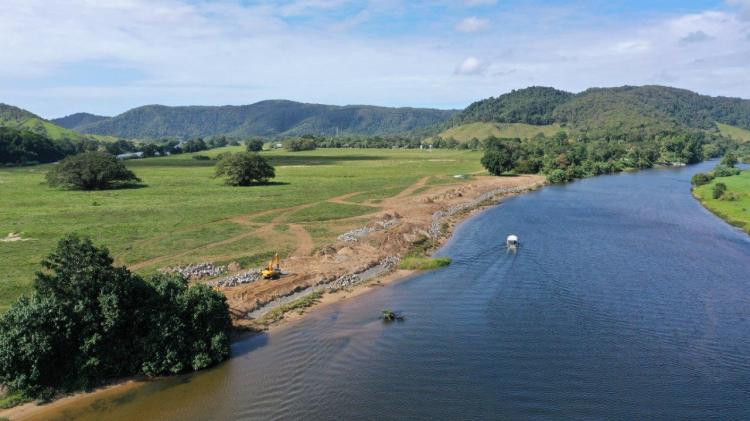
<point x="471" y="66"/>
<point x="233" y="52"/>
<point x="472" y="24"/>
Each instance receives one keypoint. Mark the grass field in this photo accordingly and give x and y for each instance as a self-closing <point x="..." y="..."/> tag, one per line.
<point x="481" y="131"/>
<point x="736" y="133"/>
<point x="183" y="215"/>
<point x="736" y="212"/>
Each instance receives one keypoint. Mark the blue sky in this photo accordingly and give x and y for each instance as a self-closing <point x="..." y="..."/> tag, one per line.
<point x="105" y="57"/>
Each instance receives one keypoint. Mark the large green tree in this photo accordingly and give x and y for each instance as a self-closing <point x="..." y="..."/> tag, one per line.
<point x="244" y="169"/>
<point x="88" y="322"/>
<point x="90" y="171"/>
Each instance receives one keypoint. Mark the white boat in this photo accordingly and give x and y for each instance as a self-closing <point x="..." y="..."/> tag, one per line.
<point x="512" y="241"/>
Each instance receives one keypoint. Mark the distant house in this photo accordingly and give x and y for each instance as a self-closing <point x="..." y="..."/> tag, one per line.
<point x="278" y="145"/>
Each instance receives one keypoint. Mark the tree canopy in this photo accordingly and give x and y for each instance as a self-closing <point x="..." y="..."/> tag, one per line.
<point x="88" y="322"/>
<point x="244" y="169"/>
<point x="90" y="171"/>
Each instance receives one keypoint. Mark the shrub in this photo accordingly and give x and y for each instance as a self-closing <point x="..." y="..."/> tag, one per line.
<point x="88" y="322"/>
<point x="557" y="176"/>
<point x="729" y="160"/>
<point x="724" y="171"/>
<point x="244" y="169"/>
<point x="201" y="157"/>
<point x="719" y="190"/>
<point x="90" y="171"/>
<point x="701" y="178"/>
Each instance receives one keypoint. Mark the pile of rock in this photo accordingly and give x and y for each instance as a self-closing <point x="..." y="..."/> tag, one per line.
<point x="436" y="228"/>
<point x="238" y="279"/>
<point x="197" y="271"/>
<point x="356" y="234"/>
<point x="386" y="265"/>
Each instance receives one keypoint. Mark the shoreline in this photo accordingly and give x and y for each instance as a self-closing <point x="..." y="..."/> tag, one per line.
<point x="240" y="333"/>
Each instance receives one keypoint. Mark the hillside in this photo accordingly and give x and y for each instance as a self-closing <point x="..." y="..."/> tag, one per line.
<point x="266" y="118"/>
<point x="627" y="109"/>
<point x="481" y="131"/>
<point x="77" y="120"/>
<point x="18" y="118"/>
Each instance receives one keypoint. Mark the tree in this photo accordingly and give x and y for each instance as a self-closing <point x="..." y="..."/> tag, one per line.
<point x="729" y="160"/>
<point x="700" y="179"/>
<point x="244" y="169"/>
<point x="719" y="190"/>
<point x="88" y="322"/>
<point x="90" y="171"/>
<point x="303" y="144"/>
<point x="151" y="149"/>
<point x="498" y="156"/>
<point x="254" y="145"/>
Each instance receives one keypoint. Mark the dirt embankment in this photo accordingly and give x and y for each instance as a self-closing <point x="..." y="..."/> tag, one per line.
<point x="420" y="211"/>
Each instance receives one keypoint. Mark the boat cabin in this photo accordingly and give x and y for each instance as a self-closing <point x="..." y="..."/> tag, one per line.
<point x="512" y="241"/>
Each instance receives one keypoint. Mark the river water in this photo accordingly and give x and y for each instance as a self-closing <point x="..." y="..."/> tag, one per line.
<point x="627" y="300"/>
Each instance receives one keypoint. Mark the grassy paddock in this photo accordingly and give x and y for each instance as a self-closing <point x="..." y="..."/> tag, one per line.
<point x="182" y="214"/>
<point x="736" y="212"/>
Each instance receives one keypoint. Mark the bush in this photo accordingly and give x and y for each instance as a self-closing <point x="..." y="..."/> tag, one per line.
<point x="254" y="145"/>
<point x="724" y="171"/>
<point x="90" y="171"/>
<point x="88" y="322"/>
<point x="701" y="178"/>
<point x="201" y="157"/>
<point x="244" y="169"/>
<point x="719" y="190"/>
<point x="557" y="176"/>
<point x="729" y="160"/>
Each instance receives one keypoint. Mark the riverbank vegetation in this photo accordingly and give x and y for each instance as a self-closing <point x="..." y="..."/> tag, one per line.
<point x="424" y="263"/>
<point x="88" y="322"/>
<point x="726" y="196"/>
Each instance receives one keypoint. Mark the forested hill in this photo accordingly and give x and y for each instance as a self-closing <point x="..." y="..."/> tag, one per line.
<point x="266" y="118"/>
<point x="77" y="120"/>
<point x="627" y="109"/>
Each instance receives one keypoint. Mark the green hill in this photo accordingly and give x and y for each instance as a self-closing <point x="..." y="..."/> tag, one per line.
<point x="627" y="109"/>
<point x="18" y="118"/>
<point x="481" y="131"/>
<point x="77" y="120"/>
<point x="266" y="118"/>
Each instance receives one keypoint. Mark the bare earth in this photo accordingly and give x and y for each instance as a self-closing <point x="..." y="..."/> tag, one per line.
<point x="414" y="210"/>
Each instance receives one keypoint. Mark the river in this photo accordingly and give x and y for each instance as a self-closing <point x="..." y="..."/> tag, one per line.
<point x="627" y="300"/>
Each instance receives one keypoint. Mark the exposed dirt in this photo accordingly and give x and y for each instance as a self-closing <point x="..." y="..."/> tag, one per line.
<point x="12" y="236"/>
<point x="415" y="213"/>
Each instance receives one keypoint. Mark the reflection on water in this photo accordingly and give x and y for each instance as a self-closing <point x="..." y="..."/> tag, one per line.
<point x="627" y="300"/>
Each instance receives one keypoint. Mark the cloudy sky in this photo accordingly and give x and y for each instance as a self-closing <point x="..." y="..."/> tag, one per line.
<point x="106" y="56"/>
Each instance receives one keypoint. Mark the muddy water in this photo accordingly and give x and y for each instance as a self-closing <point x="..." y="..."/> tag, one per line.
<point x="627" y="300"/>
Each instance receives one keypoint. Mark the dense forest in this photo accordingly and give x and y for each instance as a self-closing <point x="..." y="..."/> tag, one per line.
<point x="266" y="118"/>
<point x="646" y="110"/>
<point x="23" y="147"/>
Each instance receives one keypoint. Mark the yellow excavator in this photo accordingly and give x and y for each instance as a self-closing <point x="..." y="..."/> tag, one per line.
<point x="273" y="271"/>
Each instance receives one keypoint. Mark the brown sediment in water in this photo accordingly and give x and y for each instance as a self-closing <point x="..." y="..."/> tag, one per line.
<point x="415" y="212"/>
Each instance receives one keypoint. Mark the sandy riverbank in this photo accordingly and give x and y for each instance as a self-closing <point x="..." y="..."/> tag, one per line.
<point x="416" y="209"/>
